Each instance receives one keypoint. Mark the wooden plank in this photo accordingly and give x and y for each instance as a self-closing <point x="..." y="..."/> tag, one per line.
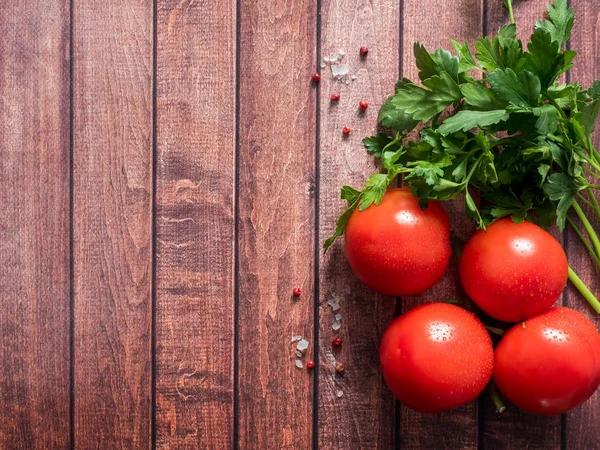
<point x="34" y="224"/>
<point x="460" y="20"/>
<point x="516" y="428"/>
<point x="112" y="222"/>
<point x="580" y="431"/>
<point x="195" y="224"/>
<point x="365" y="416"/>
<point x="276" y="225"/>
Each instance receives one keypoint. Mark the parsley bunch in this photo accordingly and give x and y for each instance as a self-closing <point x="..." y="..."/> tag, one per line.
<point x="495" y="121"/>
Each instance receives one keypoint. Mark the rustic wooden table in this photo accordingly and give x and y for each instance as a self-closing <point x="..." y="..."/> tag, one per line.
<point x="169" y="173"/>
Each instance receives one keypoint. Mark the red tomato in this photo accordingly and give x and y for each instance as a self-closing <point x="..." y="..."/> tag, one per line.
<point x="513" y="271"/>
<point x="436" y="357"/>
<point x="550" y="363"/>
<point x="397" y="248"/>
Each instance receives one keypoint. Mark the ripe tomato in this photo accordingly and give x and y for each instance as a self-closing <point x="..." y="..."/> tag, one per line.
<point x="550" y="363"/>
<point x="513" y="271"/>
<point x="397" y="248"/>
<point x="436" y="357"/>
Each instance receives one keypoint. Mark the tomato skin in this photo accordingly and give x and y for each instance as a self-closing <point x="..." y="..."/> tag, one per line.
<point x="550" y="365"/>
<point x="395" y="247"/>
<point x="436" y="357"/>
<point x="513" y="271"/>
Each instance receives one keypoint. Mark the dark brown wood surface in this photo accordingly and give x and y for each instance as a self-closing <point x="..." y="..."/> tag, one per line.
<point x="169" y="175"/>
<point x="194" y="224"/>
<point x="34" y="225"/>
<point x="276" y="222"/>
<point x="112" y="223"/>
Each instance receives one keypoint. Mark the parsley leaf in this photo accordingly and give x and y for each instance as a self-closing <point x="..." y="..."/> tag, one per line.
<point x="422" y="103"/>
<point x="481" y="97"/>
<point x="562" y="188"/>
<point x="375" y="187"/>
<point x="544" y="58"/>
<point x="547" y="119"/>
<point x="488" y="53"/>
<point x="376" y="144"/>
<point x="466" y="61"/>
<point x="466" y="120"/>
<point x="561" y="22"/>
<point x="424" y="62"/>
<point x="519" y="90"/>
<point x="393" y="114"/>
<point x="340" y="225"/>
<point x="446" y="62"/>
<point x="350" y="194"/>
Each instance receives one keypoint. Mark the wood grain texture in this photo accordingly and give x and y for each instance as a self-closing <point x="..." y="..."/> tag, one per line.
<point x="276" y="224"/>
<point x="365" y="416"/>
<point x="34" y="225"/>
<point x="460" y="20"/>
<point x="516" y="428"/>
<point x="580" y="430"/>
<point x="112" y="222"/>
<point x="195" y="228"/>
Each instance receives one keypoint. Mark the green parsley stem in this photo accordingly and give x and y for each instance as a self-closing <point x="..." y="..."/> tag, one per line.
<point x="584" y="200"/>
<point x="595" y="206"/>
<point x="583" y="289"/>
<point x="508" y="4"/>
<point x="495" y="396"/>
<point x="593" y="153"/>
<point x="591" y="172"/>
<point x="588" y="227"/>
<point x="584" y="241"/>
<point x="592" y="162"/>
<point x="556" y="105"/>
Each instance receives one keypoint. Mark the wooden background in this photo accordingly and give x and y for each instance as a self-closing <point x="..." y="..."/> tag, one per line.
<point x="168" y="174"/>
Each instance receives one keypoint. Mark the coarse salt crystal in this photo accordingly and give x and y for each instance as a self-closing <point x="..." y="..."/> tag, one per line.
<point x="326" y="59"/>
<point x="299" y="364"/>
<point x="322" y="65"/>
<point x="302" y="345"/>
<point x="338" y="317"/>
<point x="335" y="307"/>
<point x="336" y="325"/>
<point x="341" y="52"/>
<point x="296" y="338"/>
<point x="339" y="393"/>
<point x="339" y="70"/>
<point x="353" y="78"/>
<point x="298" y="353"/>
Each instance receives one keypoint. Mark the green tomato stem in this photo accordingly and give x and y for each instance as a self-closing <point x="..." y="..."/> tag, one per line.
<point x="583" y="289"/>
<point x="588" y="227"/>
<point x="495" y="330"/>
<point x="495" y="396"/>
<point x="510" y="11"/>
<point x="584" y="241"/>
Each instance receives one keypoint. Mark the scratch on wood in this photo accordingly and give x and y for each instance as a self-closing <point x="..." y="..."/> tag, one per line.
<point x="175" y="245"/>
<point x="174" y="220"/>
